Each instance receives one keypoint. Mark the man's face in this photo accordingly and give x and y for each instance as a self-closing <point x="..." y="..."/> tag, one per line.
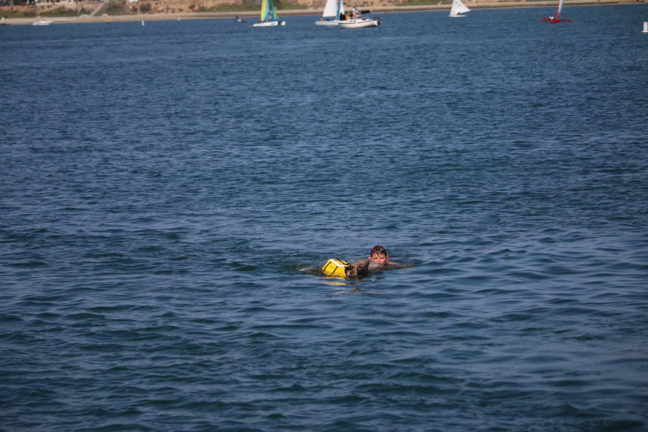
<point x="379" y="258"/>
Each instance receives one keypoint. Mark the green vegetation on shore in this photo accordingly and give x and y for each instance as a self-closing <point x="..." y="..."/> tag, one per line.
<point x="118" y="9"/>
<point x="423" y="2"/>
<point x="65" y="12"/>
<point x="18" y="14"/>
<point x="244" y="6"/>
<point x="248" y="6"/>
<point x="121" y="8"/>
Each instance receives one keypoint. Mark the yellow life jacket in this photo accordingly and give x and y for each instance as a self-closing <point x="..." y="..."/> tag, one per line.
<point x="335" y="268"/>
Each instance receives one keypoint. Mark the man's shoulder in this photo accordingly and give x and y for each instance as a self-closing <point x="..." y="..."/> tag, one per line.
<point x="397" y="265"/>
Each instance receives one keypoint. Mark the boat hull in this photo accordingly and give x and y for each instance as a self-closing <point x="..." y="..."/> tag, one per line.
<point x="555" y="20"/>
<point x="269" y="24"/>
<point x="360" y="23"/>
<point x="327" y="23"/>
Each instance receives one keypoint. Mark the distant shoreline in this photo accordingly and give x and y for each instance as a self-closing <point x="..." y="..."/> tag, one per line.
<point x="294" y="12"/>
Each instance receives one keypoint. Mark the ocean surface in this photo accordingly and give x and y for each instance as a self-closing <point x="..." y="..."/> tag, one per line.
<point x="163" y="187"/>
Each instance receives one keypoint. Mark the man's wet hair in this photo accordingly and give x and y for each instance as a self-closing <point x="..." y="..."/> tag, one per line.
<point x="378" y="249"/>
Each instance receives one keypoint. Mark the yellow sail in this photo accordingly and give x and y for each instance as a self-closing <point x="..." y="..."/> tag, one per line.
<point x="268" y="12"/>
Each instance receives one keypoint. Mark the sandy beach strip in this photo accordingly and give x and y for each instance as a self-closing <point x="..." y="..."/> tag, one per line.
<point x="292" y="12"/>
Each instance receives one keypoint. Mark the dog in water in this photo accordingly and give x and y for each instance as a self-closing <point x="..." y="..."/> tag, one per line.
<point x="357" y="270"/>
<point x="378" y="261"/>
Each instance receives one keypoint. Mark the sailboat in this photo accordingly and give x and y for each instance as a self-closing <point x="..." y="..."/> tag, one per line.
<point x="557" y="19"/>
<point x="332" y="12"/>
<point x="356" y="20"/>
<point x="458" y="9"/>
<point x="268" y="16"/>
<point x="360" y="23"/>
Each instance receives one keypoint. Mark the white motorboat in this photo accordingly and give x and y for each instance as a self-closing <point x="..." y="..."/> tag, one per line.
<point x="42" y="22"/>
<point x="360" y="23"/>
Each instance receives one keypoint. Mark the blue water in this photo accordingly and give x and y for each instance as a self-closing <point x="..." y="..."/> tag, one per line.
<point x="161" y="187"/>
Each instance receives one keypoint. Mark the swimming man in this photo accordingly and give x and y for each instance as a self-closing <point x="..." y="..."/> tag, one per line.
<point x="378" y="260"/>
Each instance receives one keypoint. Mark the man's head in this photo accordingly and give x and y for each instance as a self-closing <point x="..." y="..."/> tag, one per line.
<point x="378" y="256"/>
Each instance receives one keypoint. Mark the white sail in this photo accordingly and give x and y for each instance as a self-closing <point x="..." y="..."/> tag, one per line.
<point x="459" y="8"/>
<point x="333" y="9"/>
<point x="560" y="5"/>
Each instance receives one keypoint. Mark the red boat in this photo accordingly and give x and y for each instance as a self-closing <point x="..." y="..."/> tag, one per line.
<point x="556" y="19"/>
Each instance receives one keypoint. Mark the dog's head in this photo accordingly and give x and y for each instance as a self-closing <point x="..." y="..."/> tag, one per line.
<point x="357" y="271"/>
